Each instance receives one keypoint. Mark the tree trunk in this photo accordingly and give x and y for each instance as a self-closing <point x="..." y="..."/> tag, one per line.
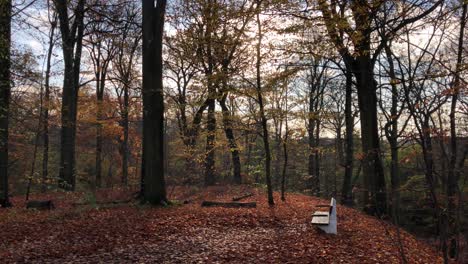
<point x="392" y="137"/>
<point x="317" y="156"/>
<point x="277" y="158"/>
<point x="210" y="143"/>
<point x="266" y="140"/>
<point x="374" y="180"/>
<point x="346" y="192"/>
<point x="233" y="148"/>
<point x="5" y="63"/>
<point x="125" y="152"/>
<point x="285" y="164"/>
<point x="452" y="177"/>
<point x="71" y="47"/>
<point x="67" y="148"/>
<point x="339" y="146"/>
<point x="153" y="182"/>
<point x="45" y="109"/>
<point x="99" y="116"/>
<point x="313" y="184"/>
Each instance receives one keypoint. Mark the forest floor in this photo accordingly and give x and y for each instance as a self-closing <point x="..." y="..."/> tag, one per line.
<point x="189" y="233"/>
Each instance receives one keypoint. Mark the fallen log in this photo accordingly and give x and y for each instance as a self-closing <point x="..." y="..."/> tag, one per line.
<point x="235" y="199"/>
<point x="40" y="205"/>
<point x="103" y="202"/>
<point x="229" y="204"/>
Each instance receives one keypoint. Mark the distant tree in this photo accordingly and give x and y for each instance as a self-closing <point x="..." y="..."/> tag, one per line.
<point x="5" y="86"/>
<point x="423" y="96"/>
<point x="346" y="191"/>
<point x="183" y="70"/>
<point x="46" y="100"/>
<point x="124" y="75"/>
<point x="153" y="182"/>
<point x="100" y="34"/>
<point x="357" y="20"/>
<point x="211" y="43"/>
<point x="316" y="88"/>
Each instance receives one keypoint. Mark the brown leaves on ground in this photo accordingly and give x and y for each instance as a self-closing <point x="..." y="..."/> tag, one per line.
<point x="191" y="234"/>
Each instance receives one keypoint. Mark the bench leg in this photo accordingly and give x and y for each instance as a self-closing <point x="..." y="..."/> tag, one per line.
<point x="330" y="228"/>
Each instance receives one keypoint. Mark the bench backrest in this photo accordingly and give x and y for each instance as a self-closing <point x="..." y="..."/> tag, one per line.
<point x="333" y="208"/>
<point x="332" y="204"/>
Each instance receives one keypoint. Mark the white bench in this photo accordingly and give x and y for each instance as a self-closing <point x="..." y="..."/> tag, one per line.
<point x="326" y="219"/>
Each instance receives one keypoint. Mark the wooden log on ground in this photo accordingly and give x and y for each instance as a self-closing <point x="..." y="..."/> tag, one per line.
<point x="40" y="205"/>
<point x="103" y="202"/>
<point x="235" y="199"/>
<point x="229" y="204"/>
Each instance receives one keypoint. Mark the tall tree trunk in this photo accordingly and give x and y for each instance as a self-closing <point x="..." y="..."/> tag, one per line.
<point x="101" y="66"/>
<point x="285" y="150"/>
<point x="362" y="66"/>
<point x="72" y="36"/>
<point x="317" y="158"/>
<point x="277" y="159"/>
<point x="440" y="216"/>
<point x="67" y="148"/>
<point x="101" y="55"/>
<point x="452" y="177"/>
<point x="339" y="146"/>
<point x="374" y="180"/>
<point x="45" y="109"/>
<point x="266" y="140"/>
<point x="313" y="183"/>
<point x="124" y="146"/>
<point x="210" y="143"/>
<point x="5" y="63"/>
<point x="313" y="129"/>
<point x="233" y="148"/>
<point x="392" y="136"/>
<point x="285" y="166"/>
<point x="346" y="192"/>
<point x="99" y="116"/>
<point x="211" y="122"/>
<point x="153" y="182"/>
<point x="339" y="157"/>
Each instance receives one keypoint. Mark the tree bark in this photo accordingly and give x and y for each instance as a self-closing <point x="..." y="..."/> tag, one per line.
<point x="374" y="180"/>
<point x="153" y="182"/>
<point x="99" y="116"/>
<point x="124" y="146"/>
<point x="126" y="48"/>
<point x="392" y="137"/>
<point x="210" y="143"/>
<point x="315" y="101"/>
<point x="233" y="148"/>
<point x="72" y="36"/>
<point x="317" y="158"/>
<point x="452" y="177"/>
<point x="346" y="192"/>
<point x="5" y="91"/>
<point x="45" y="109"/>
<point x="266" y="140"/>
<point x="101" y="62"/>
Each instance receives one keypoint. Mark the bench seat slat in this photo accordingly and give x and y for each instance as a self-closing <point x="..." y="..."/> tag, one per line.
<point x="321" y="220"/>
<point x="321" y="213"/>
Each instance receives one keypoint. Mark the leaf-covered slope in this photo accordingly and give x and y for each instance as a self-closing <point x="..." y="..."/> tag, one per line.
<point x="191" y="234"/>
